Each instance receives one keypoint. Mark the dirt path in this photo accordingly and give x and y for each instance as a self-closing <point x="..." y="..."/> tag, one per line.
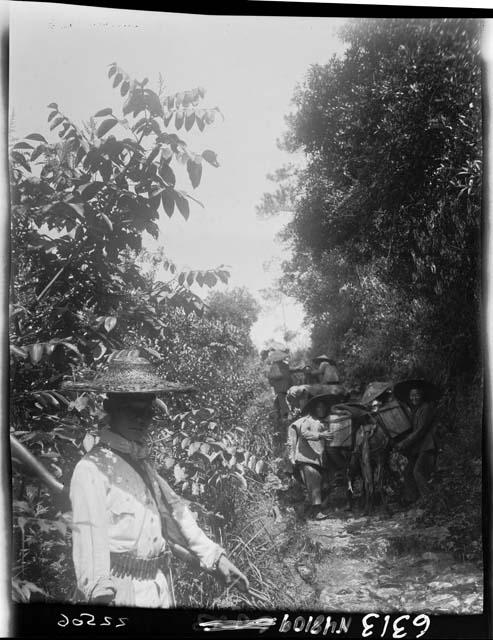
<point x="347" y="563"/>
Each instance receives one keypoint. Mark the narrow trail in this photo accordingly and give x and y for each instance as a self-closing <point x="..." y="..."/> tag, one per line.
<point x="382" y="564"/>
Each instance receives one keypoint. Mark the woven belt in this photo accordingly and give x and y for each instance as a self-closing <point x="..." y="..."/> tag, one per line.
<point x="126" y="564"/>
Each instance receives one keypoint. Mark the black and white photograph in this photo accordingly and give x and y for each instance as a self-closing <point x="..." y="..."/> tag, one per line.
<point x="247" y="327"/>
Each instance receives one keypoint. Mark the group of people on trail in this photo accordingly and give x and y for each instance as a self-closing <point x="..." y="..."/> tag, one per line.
<point x="321" y="377"/>
<point x="330" y="436"/>
<point x="127" y="520"/>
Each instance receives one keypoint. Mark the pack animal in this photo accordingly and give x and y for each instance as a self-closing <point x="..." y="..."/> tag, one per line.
<point x="370" y="460"/>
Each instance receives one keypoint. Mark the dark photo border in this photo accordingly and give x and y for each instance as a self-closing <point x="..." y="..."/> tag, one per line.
<point x="50" y="620"/>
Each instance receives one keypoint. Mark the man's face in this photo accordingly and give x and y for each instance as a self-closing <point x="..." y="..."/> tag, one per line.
<point x="375" y="405"/>
<point x="415" y="397"/>
<point x="131" y="417"/>
<point x="320" y="410"/>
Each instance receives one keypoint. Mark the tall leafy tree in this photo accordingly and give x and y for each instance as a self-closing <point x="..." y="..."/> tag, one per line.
<point x="236" y="307"/>
<point x="387" y="211"/>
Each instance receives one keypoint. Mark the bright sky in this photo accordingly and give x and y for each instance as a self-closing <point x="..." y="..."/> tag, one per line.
<point x="249" y="67"/>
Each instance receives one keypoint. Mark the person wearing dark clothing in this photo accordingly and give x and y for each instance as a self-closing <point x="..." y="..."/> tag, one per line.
<point x="420" y="445"/>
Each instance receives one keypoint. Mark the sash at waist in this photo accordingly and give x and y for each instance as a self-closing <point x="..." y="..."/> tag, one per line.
<point x="126" y="564"/>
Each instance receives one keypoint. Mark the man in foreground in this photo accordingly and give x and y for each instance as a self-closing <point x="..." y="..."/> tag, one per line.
<point x="126" y="518"/>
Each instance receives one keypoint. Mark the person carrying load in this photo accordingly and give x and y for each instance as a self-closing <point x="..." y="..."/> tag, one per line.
<point x="307" y="438"/>
<point x="279" y="377"/>
<point x="420" y="446"/>
<point x="326" y="370"/>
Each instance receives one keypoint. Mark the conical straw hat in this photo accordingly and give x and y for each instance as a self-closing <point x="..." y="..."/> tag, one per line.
<point x="127" y="372"/>
<point x="374" y="390"/>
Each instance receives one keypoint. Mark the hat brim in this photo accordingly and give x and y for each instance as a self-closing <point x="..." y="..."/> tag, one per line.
<point x="277" y="356"/>
<point x="328" y="399"/>
<point x="101" y="387"/>
<point x="356" y="409"/>
<point x="402" y="389"/>
<point x="376" y="392"/>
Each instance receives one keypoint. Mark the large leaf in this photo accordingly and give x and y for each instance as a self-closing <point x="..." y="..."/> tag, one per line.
<point x="153" y="229"/>
<point x="166" y="173"/>
<point x="210" y="279"/>
<point x="153" y="154"/>
<point x="80" y="155"/>
<point x="168" y="201"/>
<point x="109" y="323"/>
<point x="108" y="222"/>
<point x="179" y="473"/>
<point x="88" y="442"/>
<point x="182" y="204"/>
<point x="22" y="145"/>
<point x="124" y="88"/>
<point x="106" y="126"/>
<point x="223" y="275"/>
<point x="210" y="157"/>
<point x="56" y="123"/>
<point x="36" y="352"/>
<point x="195" y="172"/>
<point x="179" y="119"/>
<point x="104" y="112"/>
<point x="189" y="120"/>
<point x="91" y="189"/>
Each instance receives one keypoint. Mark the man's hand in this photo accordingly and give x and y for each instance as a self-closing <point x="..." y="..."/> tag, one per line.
<point x="402" y="446"/>
<point x="231" y="574"/>
<point x="104" y="598"/>
<point x="327" y="435"/>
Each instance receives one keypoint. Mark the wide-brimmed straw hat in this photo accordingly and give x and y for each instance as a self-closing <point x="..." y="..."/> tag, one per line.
<point x="374" y="390"/>
<point x="322" y="357"/>
<point x="328" y="399"/>
<point x="273" y="345"/>
<point x="127" y="372"/>
<point x="429" y="390"/>
<point x="277" y="356"/>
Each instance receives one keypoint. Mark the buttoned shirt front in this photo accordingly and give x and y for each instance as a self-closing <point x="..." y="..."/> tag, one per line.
<point x="114" y="511"/>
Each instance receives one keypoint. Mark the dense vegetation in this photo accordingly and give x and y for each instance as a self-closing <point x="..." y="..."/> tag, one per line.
<point x="386" y="225"/>
<point x="386" y="261"/>
<point x="83" y="286"/>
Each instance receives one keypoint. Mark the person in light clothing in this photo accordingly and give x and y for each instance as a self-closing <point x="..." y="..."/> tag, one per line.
<point x="306" y="446"/>
<point x="127" y="519"/>
<point x="326" y="370"/>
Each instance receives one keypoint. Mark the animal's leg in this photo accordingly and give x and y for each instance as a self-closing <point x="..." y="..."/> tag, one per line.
<point x="410" y="489"/>
<point x="366" y="467"/>
<point x="423" y="470"/>
<point x="382" y="471"/>
<point x="351" y="475"/>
